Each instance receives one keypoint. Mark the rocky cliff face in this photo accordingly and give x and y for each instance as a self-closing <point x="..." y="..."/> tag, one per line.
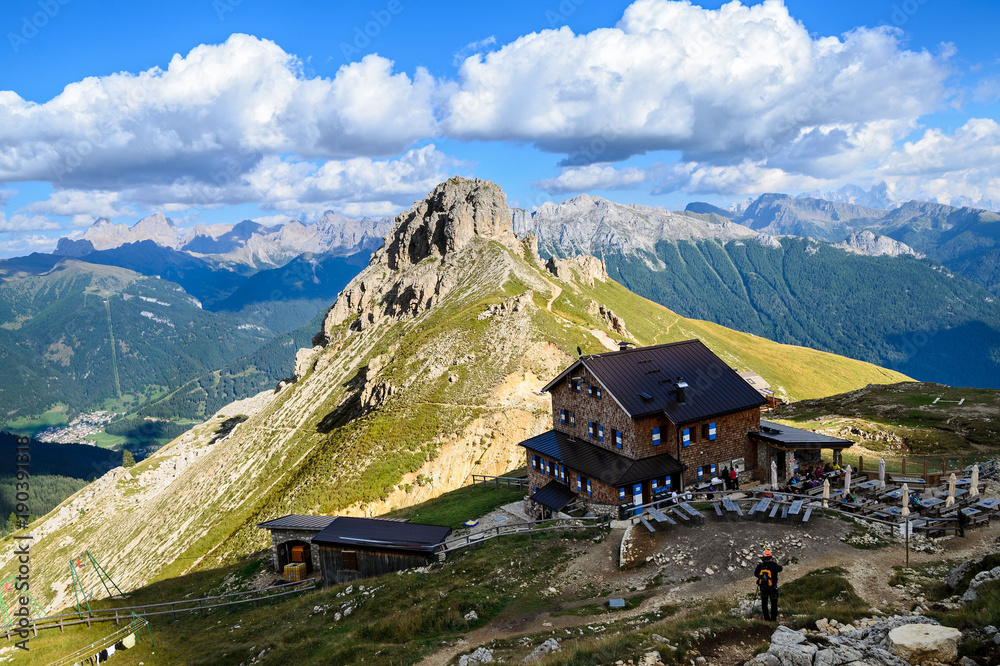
<point x="424" y="243"/>
<point x="866" y="242"/>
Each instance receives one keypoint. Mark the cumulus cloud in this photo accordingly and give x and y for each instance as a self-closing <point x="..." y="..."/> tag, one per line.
<point x="16" y="244"/>
<point x="81" y="204"/>
<point x="219" y="109"/>
<point x="6" y="195"/>
<point x="718" y="85"/>
<point x="21" y="222"/>
<point x="592" y="177"/>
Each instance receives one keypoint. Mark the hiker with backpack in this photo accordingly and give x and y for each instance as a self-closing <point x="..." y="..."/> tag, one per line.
<point x="767" y="581"/>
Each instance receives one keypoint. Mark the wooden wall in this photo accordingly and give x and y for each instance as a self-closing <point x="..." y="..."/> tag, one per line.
<point x="370" y="563"/>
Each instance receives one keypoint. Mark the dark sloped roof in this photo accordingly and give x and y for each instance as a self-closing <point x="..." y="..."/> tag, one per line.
<point x="382" y="534"/>
<point x="298" y="522"/>
<point x="554" y="495"/>
<point x="599" y="463"/>
<point x="643" y="381"/>
<point x="796" y="438"/>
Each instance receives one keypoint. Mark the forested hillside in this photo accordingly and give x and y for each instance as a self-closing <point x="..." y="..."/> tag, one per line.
<point x="899" y="312"/>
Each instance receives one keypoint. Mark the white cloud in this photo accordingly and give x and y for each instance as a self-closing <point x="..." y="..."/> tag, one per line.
<point x="946" y="167"/>
<point x="82" y="204"/>
<point x="17" y="244"/>
<point x="592" y="177"/>
<point x="217" y="110"/>
<point x="719" y="85"/>
<point x="21" y="223"/>
<point x="6" y="195"/>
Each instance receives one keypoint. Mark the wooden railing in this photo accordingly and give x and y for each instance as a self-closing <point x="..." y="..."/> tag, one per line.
<point x="171" y="608"/>
<point x="520" y="529"/>
<point x="500" y="481"/>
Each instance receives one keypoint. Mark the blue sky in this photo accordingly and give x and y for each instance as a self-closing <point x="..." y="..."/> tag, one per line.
<point x="215" y="111"/>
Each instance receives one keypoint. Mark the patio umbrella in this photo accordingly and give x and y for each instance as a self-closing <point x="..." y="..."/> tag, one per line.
<point x="974" y="488"/>
<point x="847" y="480"/>
<point x="906" y="500"/>
<point x="951" y="490"/>
<point x="881" y="473"/>
<point x="826" y="493"/>
<point x="774" y="475"/>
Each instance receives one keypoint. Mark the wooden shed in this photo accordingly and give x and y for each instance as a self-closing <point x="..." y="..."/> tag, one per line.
<point x="353" y="548"/>
<point x="290" y="540"/>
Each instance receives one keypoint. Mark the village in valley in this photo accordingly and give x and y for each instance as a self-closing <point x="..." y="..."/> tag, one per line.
<point x="77" y="430"/>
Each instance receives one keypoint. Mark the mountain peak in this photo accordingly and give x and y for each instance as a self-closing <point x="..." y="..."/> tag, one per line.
<point x="447" y="220"/>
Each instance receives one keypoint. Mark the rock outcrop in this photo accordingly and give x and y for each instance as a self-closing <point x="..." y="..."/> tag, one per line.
<point x="447" y="220"/>
<point x="453" y="216"/>
<point x="866" y="242"/>
<point x="584" y="268"/>
<point x="925" y="643"/>
<point x="869" y="646"/>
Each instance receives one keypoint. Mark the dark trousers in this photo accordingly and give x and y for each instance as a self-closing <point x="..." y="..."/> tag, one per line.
<point x="769" y="596"/>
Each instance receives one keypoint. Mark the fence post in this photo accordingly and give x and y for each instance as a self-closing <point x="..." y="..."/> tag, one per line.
<point x="925" y="469"/>
<point x="62" y="629"/>
<point x="173" y="613"/>
<point x="904" y="466"/>
<point x="116" y="617"/>
<point x="861" y="464"/>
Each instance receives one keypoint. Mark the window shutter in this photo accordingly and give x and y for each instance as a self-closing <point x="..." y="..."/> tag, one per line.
<point x="686" y="437"/>
<point x="656" y="436"/>
<point x="669" y="483"/>
<point x="579" y="483"/>
<point x="572" y="419"/>
<point x="621" y="493"/>
<point x="590" y="428"/>
<point x="711" y="431"/>
<point x="588" y="488"/>
<point x="618" y="438"/>
<point x="600" y="433"/>
<point x="562" y="416"/>
<point x="598" y="392"/>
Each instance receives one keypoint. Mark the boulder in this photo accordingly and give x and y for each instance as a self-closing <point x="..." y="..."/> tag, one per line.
<point x="551" y="645"/>
<point x="923" y="643"/>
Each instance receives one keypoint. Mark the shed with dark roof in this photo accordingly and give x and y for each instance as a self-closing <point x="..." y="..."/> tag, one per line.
<point x="290" y="539"/>
<point x="354" y="548"/>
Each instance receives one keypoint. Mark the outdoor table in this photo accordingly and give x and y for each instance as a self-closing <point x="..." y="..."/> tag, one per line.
<point x="933" y="505"/>
<point x="894" y="494"/>
<point x="964" y="481"/>
<point x="908" y="480"/>
<point x="796" y="507"/>
<point x="989" y="504"/>
<point x="868" y="487"/>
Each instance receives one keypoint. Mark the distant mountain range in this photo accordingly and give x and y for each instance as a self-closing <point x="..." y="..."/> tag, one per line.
<point x="246" y="243"/>
<point x="863" y="288"/>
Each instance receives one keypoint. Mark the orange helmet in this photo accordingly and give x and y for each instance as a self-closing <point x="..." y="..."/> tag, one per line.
<point x="767" y="553"/>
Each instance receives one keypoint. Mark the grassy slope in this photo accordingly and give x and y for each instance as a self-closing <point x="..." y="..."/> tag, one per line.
<point x="904" y="418"/>
<point x="312" y="450"/>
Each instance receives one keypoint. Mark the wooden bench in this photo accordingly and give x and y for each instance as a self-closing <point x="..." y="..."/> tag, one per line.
<point x="805" y="518"/>
<point x="784" y="511"/>
<point x="646" y="524"/>
<point x="718" y="509"/>
<point x="774" y="510"/>
<point x="680" y="514"/>
<point x="660" y="516"/>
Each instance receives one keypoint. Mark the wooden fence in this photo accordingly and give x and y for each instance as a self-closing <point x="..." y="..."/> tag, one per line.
<point x="171" y="608"/>
<point x="529" y="528"/>
<point x="500" y="481"/>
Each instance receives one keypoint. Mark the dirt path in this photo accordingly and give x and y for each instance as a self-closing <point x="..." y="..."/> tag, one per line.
<point x="686" y="554"/>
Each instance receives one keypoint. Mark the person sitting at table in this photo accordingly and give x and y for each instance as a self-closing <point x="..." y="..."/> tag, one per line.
<point x="827" y="469"/>
<point x="835" y="467"/>
<point x="916" y="504"/>
<point x="711" y="492"/>
<point x="795" y="480"/>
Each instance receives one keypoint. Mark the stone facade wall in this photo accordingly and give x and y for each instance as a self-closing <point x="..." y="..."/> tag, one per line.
<point x="731" y="442"/>
<point x="604" y="411"/>
<point x="601" y="492"/>
<point x="281" y="536"/>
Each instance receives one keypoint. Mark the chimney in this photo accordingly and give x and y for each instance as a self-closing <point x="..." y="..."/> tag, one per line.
<point x="681" y="393"/>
